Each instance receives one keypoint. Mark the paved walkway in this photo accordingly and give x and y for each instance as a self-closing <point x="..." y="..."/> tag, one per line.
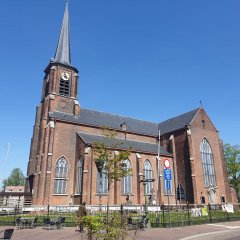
<point x="207" y="231"/>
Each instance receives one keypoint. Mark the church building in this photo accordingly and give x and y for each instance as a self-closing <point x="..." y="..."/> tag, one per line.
<point x="61" y="167"/>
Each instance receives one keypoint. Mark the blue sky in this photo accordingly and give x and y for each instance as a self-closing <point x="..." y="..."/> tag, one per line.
<point x="148" y="59"/>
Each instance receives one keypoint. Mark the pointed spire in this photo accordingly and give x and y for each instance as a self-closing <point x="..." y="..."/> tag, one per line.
<point x="63" y="54"/>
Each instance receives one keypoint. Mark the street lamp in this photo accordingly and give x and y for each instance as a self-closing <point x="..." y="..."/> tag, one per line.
<point x="99" y="164"/>
<point x="145" y="181"/>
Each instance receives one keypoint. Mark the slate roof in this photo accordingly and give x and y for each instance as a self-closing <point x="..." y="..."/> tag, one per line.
<point x="178" y="122"/>
<point x="63" y="53"/>
<point x="123" y="144"/>
<point x="100" y="119"/>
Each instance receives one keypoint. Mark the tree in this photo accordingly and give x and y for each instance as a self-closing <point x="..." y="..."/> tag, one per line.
<point x="16" y="178"/>
<point x="112" y="162"/>
<point x="232" y="159"/>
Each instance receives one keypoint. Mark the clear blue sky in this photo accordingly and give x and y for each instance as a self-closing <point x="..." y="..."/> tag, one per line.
<point x="148" y="59"/>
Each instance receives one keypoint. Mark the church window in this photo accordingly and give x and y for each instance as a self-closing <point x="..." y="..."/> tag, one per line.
<point x="127" y="180"/>
<point x="79" y="176"/>
<point x="148" y="173"/>
<point x="60" y="183"/>
<point x="207" y="164"/>
<point x="104" y="188"/>
<point x="64" y="87"/>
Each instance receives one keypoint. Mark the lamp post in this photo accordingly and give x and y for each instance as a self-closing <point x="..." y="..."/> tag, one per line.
<point x="145" y="181"/>
<point x="99" y="164"/>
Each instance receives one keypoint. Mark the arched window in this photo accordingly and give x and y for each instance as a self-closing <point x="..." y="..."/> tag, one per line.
<point x="207" y="164"/>
<point x="79" y="176"/>
<point x="104" y="188"/>
<point x="60" y="183"/>
<point x="147" y="171"/>
<point x="127" y="180"/>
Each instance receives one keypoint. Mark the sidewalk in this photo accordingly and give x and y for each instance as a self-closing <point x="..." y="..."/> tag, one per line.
<point x="150" y="234"/>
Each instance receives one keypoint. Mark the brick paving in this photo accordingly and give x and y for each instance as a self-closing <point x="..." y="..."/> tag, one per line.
<point x="150" y="234"/>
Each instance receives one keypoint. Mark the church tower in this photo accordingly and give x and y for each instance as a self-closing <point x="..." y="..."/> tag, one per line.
<point x="61" y="78"/>
<point x="59" y="94"/>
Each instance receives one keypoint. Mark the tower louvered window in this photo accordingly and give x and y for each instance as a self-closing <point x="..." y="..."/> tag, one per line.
<point x="64" y="87"/>
<point x="207" y="164"/>
<point x="60" y="183"/>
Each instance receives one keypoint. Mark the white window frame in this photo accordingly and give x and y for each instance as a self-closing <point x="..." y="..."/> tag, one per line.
<point x="127" y="180"/>
<point x="60" y="181"/>
<point x="148" y="173"/>
<point x="208" y="168"/>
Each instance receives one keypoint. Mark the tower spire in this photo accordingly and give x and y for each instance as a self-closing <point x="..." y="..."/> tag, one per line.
<point x="63" y="53"/>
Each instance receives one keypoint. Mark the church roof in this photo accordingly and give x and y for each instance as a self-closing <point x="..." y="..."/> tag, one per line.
<point x="101" y="119"/>
<point x="114" y="121"/>
<point x="178" y="122"/>
<point x="122" y="144"/>
<point x="63" y="54"/>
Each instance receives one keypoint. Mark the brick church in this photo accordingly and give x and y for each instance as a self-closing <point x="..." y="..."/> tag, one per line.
<point x="62" y="170"/>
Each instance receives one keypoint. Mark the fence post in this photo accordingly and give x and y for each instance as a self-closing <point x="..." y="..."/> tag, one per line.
<point x="210" y="212"/>
<point x="163" y="218"/>
<point x="188" y="213"/>
<point x="157" y="218"/>
<point x="227" y="215"/>
<point x="121" y="212"/>
<point x="15" y="214"/>
<point x="48" y="210"/>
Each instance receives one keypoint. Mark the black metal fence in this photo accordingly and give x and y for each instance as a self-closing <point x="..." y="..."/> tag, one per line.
<point x="158" y="216"/>
<point x="186" y="215"/>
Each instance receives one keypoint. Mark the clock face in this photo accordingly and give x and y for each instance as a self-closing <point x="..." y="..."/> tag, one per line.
<point x="65" y="76"/>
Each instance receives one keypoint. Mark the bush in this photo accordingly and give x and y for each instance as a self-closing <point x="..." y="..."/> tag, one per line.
<point x="114" y="228"/>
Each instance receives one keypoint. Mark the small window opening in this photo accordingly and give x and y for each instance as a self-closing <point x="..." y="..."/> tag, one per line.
<point x="223" y="199"/>
<point x="203" y="123"/>
<point x="203" y="200"/>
